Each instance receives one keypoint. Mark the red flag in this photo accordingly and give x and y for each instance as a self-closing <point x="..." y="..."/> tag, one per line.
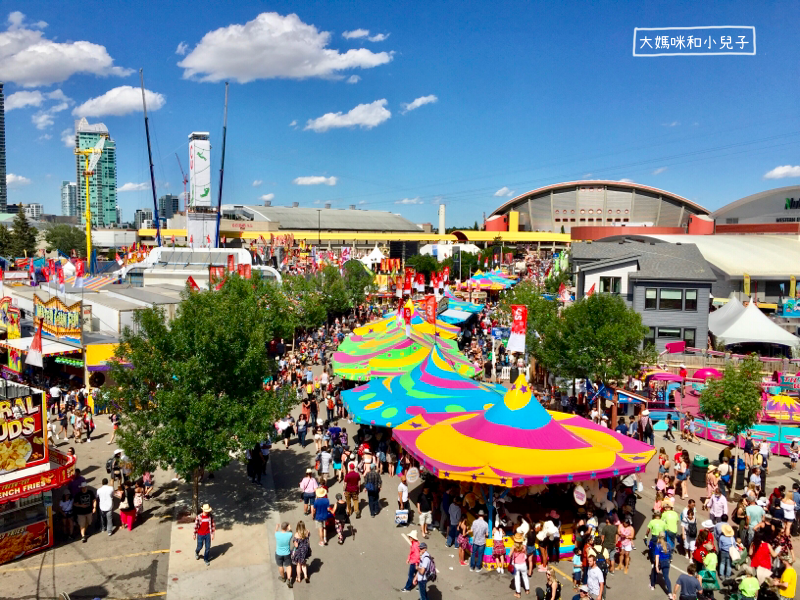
<point x="231" y="267"/>
<point x="34" y="357"/>
<point x="519" y="325"/>
<point x="223" y="239"/>
<point x="46" y="273"/>
<point x="79" y="269"/>
<point x="173" y="240"/>
<point x="590" y="292"/>
<point x="240" y="269"/>
<point x="60" y="273"/>
<point x="486" y="263"/>
<point x="191" y="239"/>
<point x="248" y="271"/>
<point x="118" y="258"/>
<point x="430" y="309"/>
<point x="208" y="239"/>
<point x="192" y="284"/>
<point x="447" y="273"/>
<point x="407" y="315"/>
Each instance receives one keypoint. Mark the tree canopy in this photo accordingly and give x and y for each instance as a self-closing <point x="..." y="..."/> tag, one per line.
<point x="358" y="281"/>
<point x="194" y="394"/>
<point x="543" y="336"/>
<point x="22" y="241"/>
<point x="65" y="238"/>
<point x="423" y="263"/>
<point x="735" y="399"/>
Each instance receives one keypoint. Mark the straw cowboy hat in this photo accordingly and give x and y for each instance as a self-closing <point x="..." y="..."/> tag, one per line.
<point x="519" y="537"/>
<point x="413" y="535"/>
<point x="321" y="492"/>
<point x="206" y="508"/>
<point x="727" y="530"/>
<point x="645" y="413"/>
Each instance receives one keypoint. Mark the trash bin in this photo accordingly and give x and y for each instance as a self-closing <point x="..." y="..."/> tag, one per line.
<point x="699" y="471"/>
<point x="740" y="474"/>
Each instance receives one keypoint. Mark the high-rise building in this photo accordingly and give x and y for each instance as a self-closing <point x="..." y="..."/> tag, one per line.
<point x="33" y="211"/>
<point x="141" y="216"/>
<point x="103" y="182"/>
<point x="119" y="215"/>
<point x="3" y="188"/>
<point x="168" y="205"/>
<point x="69" y="199"/>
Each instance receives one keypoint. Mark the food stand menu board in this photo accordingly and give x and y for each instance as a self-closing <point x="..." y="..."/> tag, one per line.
<point x="22" y="434"/>
<point x="25" y="527"/>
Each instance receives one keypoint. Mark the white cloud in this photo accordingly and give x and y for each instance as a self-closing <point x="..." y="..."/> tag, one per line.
<point x="659" y="170"/>
<point x="257" y="183"/>
<point x="293" y="123"/>
<point x="784" y="171"/>
<point x="626" y="180"/>
<point x="119" y="101"/>
<point x="355" y="34"/>
<point x="362" y="202"/>
<point x="672" y="124"/>
<point x="268" y="197"/>
<point x="365" y="116"/>
<point x="416" y="200"/>
<point x="503" y="191"/>
<point x="29" y="59"/>
<point x="273" y="46"/>
<point x="13" y="180"/>
<point x="68" y="137"/>
<point x="133" y="187"/>
<point x="314" y="180"/>
<point x="421" y="101"/>
<point x="181" y="49"/>
<point x="353" y="79"/>
<point x="45" y="118"/>
<point x="23" y="99"/>
<point x="379" y="37"/>
<point x="45" y="136"/>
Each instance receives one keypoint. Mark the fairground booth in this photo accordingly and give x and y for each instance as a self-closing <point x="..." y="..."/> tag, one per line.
<point x="29" y="472"/>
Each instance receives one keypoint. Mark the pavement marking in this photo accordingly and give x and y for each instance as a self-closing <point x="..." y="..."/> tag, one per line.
<point x="88" y="560"/>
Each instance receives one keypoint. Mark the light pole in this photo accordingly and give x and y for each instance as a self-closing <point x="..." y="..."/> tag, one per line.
<point x="319" y="227"/>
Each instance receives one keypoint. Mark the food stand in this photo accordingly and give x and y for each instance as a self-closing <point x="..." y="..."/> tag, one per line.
<point x="29" y="472"/>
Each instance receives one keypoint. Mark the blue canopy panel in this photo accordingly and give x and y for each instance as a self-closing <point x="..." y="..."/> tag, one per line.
<point x="454" y="316"/>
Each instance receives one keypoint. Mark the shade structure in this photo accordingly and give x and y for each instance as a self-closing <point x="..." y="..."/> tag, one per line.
<point x="722" y="318"/>
<point x="481" y="281"/>
<point x="664" y="377"/>
<point x="517" y="442"/>
<point x="418" y="323"/>
<point x="451" y="315"/>
<point x="392" y="353"/>
<point x="753" y="326"/>
<point x="707" y="373"/>
<point x="433" y="386"/>
<point x="783" y="408"/>
<point x="457" y="304"/>
<point x="501" y="277"/>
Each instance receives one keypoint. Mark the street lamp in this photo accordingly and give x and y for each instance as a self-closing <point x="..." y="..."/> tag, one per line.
<point x="319" y="227"/>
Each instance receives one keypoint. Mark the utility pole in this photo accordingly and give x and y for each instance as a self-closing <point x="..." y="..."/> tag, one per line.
<point x="319" y="226"/>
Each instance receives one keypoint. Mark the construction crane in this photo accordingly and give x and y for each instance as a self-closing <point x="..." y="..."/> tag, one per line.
<point x="92" y="157"/>
<point x="185" y="180"/>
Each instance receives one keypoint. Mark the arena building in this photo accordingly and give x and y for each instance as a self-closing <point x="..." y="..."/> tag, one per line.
<point x="587" y="209"/>
<point x="773" y="211"/>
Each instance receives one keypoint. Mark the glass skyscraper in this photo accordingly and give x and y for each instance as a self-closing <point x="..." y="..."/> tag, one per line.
<point x="3" y="188"/>
<point x="103" y="182"/>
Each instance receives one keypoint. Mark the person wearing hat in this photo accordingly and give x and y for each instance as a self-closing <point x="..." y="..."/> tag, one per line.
<point x="583" y="593"/>
<point x="787" y="584"/>
<point x="320" y="514"/>
<point x="646" y="428"/>
<point x="308" y="487"/>
<point x="671" y="521"/>
<point x="749" y="585"/>
<point x="422" y="571"/>
<point x="84" y="507"/>
<point x="204" y="529"/>
<point x="480" y="531"/>
<point x="518" y="559"/>
<point x="726" y="541"/>
<point x="412" y="561"/>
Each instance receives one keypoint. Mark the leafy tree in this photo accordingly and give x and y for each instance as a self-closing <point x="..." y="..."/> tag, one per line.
<point x="65" y="238"/>
<point x="194" y="393"/>
<point x="358" y="282"/>
<point x="333" y="293"/>
<point x="735" y="399"/>
<point x="553" y="284"/>
<point x="5" y="242"/>
<point x="469" y="264"/>
<point x="543" y="337"/>
<point x="23" y="237"/>
<point x="305" y="308"/>
<point x="601" y="338"/>
<point x="423" y="263"/>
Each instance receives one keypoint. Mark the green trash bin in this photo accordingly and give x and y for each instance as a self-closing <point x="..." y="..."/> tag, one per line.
<point x="699" y="471"/>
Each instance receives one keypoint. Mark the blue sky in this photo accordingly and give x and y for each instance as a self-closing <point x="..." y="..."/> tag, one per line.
<point x="526" y="94"/>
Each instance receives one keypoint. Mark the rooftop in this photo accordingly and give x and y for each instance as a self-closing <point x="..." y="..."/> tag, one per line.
<point x="297" y="217"/>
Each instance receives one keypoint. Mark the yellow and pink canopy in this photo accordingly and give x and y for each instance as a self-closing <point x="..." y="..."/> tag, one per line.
<point x="783" y="408"/>
<point x="418" y="324"/>
<point x="517" y="442"/>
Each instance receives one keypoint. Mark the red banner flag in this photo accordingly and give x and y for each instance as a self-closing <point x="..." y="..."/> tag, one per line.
<point x="430" y="309"/>
<point x="590" y="292"/>
<point x="192" y="284"/>
<point x="217" y="274"/>
<point x="240" y="269"/>
<point x="519" y="325"/>
<point x="231" y="266"/>
<point x="248" y="271"/>
<point x="447" y="273"/>
<point x="407" y="315"/>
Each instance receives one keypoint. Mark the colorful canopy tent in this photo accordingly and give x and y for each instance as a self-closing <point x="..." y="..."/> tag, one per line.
<point x="517" y="442"/>
<point x="374" y="257"/>
<point x="433" y="386"/>
<point x="454" y="316"/>
<point x="390" y="323"/>
<point x="783" y="408"/>
<point x="393" y="353"/>
<point x="457" y="304"/>
<point x="481" y="281"/>
<point x="501" y="277"/>
<point x="664" y="377"/>
<point x="753" y="326"/>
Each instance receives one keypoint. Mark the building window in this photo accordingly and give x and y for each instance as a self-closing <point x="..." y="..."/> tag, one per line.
<point x="691" y="300"/>
<point x="733" y="221"/>
<point x="611" y="285"/>
<point x="671" y="333"/>
<point x="670" y="300"/>
<point x="650" y="301"/>
<point x="650" y="338"/>
<point x="689" y="337"/>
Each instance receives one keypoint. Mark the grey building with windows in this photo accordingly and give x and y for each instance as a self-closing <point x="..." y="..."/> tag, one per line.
<point x="69" y="199"/>
<point x="168" y="206"/>
<point x="3" y="188"/>
<point x="668" y="284"/>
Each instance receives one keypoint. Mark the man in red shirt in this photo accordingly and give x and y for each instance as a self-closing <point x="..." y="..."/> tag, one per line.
<point x="352" y="485"/>
<point x="204" y="529"/>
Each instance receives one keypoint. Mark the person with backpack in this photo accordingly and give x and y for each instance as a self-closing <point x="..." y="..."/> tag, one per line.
<point x="426" y="571"/>
<point x="646" y="428"/>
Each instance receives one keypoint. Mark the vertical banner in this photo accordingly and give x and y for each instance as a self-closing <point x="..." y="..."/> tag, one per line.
<point x="217" y="274"/>
<point x="407" y="283"/>
<point x="746" y="285"/>
<point x="398" y="286"/>
<point x="231" y="267"/>
<point x="792" y="286"/>
<point x="248" y="271"/>
<point x="407" y="317"/>
<point x="430" y="309"/>
<point x="446" y="273"/>
<point x="199" y="170"/>
<point x="519" y="325"/>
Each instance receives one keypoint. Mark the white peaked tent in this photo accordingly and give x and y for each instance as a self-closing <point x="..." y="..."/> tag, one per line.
<point x="721" y="319"/>
<point x="753" y="326"/>
<point x="374" y="257"/>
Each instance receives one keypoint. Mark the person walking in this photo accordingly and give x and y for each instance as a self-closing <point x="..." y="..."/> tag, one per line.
<point x="412" y="561"/>
<point x="402" y="498"/>
<point x="422" y="571"/>
<point x="671" y="521"/>
<point x="127" y="507"/>
<point x="626" y="534"/>
<point x="480" y="531"/>
<point x="319" y="512"/>
<point x="114" y="418"/>
<point x="308" y="487"/>
<point x="301" y="551"/>
<point x="352" y="485"/>
<point x="84" y="507"/>
<point x="726" y="542"/>
<point x="595" y="582"/>
<point x="689" y="585"/>
<point x="518" y="559"/>
<point x="204" y="530"/>
<point x="425" y="509"/>
<point x="717" y="506"/>
<point x="283" y="542"/>
<point x="661" y="553"/>
<point x="105" y="504"/>
<point x="372" y="483"/>
<point x="341" y="515"/>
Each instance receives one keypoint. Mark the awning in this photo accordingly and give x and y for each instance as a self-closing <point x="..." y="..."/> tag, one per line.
<point x="98" y="356"/>
<point x="62" y="470"/>
<point x="625" y="397"/>
<point x="49" y="347"/>
<point x="451" y="315"/>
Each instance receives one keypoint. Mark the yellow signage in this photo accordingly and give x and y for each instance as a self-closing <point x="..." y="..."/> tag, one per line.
<point x="747" y="285"/>
<point x="792" y="286"/>
<point x="58" y="320"/>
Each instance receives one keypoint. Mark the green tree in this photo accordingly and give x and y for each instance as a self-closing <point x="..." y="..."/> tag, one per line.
<point x="423" y="263"/>
<point x="65" y="238"/>
<point x="601" y="338"/>
<point x="305" y="307"/>
<point x="333" y="293"/>
<point x="469" y="264"/>
<point x="194" y="394"/>
<point x="358" y="282"/>
<point x="553" y="284"/>
<point x="5" y="242"/>
<point x="735" y="399"/>
<point x="23" y="236"/>
<point x="543" y="336"/>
